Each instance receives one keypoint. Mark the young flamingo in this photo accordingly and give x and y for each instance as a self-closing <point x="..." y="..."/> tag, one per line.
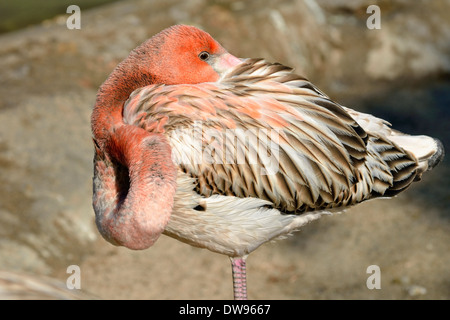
<point x="226" y="154"/>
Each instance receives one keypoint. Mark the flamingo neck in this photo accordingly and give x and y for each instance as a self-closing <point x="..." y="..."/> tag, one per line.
<point x="134" y="176"/>
<point x="133" y="202"/>
<point x="113" y="93"/>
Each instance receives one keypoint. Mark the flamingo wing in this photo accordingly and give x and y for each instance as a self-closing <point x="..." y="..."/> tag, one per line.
<point x="263" y="131"/>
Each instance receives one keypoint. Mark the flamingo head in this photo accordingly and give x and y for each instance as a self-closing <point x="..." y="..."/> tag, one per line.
<point x="177" y="55"/>
<point x="183" y="55"/>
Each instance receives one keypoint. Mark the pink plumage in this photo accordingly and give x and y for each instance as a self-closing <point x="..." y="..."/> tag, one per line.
<point x="226" y="153"/>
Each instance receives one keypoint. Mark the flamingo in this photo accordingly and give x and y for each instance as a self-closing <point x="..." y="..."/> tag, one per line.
<point x="227" y="154"/>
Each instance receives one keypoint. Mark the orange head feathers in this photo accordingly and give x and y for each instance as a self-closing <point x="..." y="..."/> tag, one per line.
<point x="177" y="55"/>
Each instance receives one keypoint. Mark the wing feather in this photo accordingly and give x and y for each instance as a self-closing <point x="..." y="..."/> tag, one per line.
<point x="263" y="131"/>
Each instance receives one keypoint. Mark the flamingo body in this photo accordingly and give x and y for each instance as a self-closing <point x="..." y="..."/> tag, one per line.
<point x="232" y="153"/>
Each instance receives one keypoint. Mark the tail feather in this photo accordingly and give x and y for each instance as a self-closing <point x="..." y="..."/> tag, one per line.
<point x="399" y="165"/>
<point x="428" y="151"/>
<point x="401" y="157"/>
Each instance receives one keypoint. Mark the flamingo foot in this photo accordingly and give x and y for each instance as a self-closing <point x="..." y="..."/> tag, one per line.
<point x="239" y="278"/>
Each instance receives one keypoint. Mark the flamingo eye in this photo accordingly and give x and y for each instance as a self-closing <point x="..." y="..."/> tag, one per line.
<point x="204" y="55"/>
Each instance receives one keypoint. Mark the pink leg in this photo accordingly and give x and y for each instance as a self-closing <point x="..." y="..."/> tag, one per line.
<point x="239" y="278"/>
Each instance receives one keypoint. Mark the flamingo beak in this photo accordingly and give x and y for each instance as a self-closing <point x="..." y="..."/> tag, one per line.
<point x="225" y="62"/>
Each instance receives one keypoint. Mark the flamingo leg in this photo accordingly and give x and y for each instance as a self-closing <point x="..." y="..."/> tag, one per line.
<point x="239" y="278"/>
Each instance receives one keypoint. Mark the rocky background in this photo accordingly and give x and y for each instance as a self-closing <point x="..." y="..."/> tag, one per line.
<point x="49" y="76"/>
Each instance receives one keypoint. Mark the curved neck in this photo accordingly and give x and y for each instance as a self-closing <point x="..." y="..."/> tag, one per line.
<point x="107" y="113"/>
<point x="134" y="176"/>
<point x="133" y="202"/>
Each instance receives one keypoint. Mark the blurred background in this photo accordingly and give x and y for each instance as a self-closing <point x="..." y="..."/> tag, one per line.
<point x="49" y="76"/>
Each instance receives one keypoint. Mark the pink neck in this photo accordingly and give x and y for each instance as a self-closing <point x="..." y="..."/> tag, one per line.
<point x="134" y="176"/>
<point x="133" y="202"/>
<point x="107" y="114"/>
